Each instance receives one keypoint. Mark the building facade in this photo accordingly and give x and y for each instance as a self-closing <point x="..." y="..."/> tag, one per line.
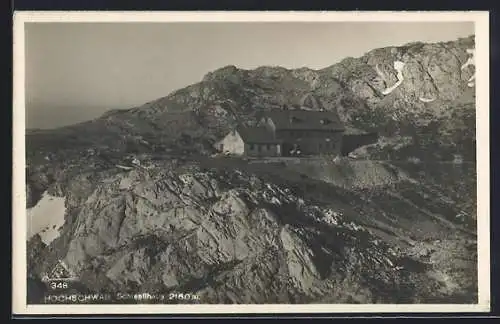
<point x="232" y="143"/>
<point x="250" y="141"/>
<point x="305" y="132"/>
<point x="308" y="130"/>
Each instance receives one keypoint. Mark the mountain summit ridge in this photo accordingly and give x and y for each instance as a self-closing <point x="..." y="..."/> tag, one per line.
<point x="433" y="82"/>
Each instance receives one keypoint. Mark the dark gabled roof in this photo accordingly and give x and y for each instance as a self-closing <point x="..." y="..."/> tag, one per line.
<point x="257" y="135"/>
<point x="305" y="119"/>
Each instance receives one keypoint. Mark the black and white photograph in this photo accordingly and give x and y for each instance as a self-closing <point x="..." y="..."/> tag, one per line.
<point x="278" y="160"/>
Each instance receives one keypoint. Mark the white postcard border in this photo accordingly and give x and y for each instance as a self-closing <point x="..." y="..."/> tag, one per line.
<point x="19" y="266"/>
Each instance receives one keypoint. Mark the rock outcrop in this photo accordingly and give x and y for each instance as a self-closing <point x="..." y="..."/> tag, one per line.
<point x="233" y="236"/>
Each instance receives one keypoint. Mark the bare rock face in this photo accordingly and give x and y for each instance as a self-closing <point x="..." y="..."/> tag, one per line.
<point x="299" y="260"/>
<point x="233" y="237"/>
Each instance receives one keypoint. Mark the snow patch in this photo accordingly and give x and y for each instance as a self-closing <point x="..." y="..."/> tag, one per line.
<point x="123" y="167"/>
<point x="398" y="66"/>
<point x="427" y="99"/>
<point x="470" y="61"/>
<point x="46" y="217"/>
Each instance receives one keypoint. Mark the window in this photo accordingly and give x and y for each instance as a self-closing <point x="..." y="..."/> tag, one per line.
<point x="252" y="147"/>
<point x="259" y="147"/>
<point x="268" y="147"/>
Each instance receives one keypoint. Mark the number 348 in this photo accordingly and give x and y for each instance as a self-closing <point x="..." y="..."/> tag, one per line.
<point x="58" y="285"/>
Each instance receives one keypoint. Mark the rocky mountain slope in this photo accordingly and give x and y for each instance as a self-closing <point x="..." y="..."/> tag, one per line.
<point x="231" y="231"/>
<point x="253" y="235"/>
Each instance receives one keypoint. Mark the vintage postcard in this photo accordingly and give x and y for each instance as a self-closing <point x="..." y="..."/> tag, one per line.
<point x="237" y="162"/>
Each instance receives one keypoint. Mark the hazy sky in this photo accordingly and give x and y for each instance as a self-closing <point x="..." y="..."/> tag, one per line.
<point x="76" y="71"/>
